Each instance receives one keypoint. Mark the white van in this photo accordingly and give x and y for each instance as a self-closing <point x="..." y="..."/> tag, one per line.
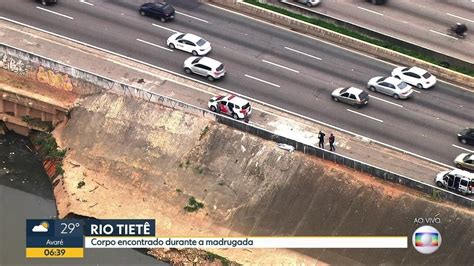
<point x="457" y="179"/>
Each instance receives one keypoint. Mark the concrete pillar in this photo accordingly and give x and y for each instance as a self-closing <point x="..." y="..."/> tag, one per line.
<point x="15" y="109"/>
<point x="2" y="107"/>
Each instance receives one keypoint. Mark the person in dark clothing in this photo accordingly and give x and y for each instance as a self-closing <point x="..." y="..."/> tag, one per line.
<point x="331" y="143"/>
<point x="321" y="139"/>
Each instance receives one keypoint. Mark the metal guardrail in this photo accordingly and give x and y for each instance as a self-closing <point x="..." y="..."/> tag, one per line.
<point x="106" y="84"/>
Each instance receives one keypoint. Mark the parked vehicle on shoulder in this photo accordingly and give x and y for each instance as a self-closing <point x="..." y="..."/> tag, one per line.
<point x="189" y="42"/>
<point x="230" y="105"/>
<point x="159" y="10"/>
<point x="466" y="136"/>
<point x="465" y="161"/>
<point x="415" y="76"/>
<point x="350" y="95"/>
<point x="204" y="66"/>
<point x="309" y="3"/>
<point x="391" y="86"/>
<point x="458" y="180"/>
<point x="47" y="2"/>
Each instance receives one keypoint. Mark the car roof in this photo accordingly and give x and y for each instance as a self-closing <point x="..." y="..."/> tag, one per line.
<point x="462" y="173"/>
<point x="191" y="37"/>
<point x="354" y="90"/>
<point x="471" y="156"/>
<point x="236" y="100"/>
<point x="209" y="62"/>
<point x="392" y="80"/>
<point x="417" y="70"/>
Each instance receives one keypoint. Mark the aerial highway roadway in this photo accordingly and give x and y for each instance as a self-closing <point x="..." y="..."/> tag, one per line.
<point x="423" y="23"/>
<point x="270" y="64"/>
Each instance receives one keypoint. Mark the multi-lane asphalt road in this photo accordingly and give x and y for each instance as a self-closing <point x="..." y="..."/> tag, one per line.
<point x="270" y="64"/>
<point x="423" y="22"/>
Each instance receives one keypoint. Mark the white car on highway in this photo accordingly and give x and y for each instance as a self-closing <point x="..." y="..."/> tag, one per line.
<point x="391" y="86"/>
<point x="415" y="76"/>
<point x="189" y="42"/>
<point x="230" y="105"/>
<point x="204" y="66"/>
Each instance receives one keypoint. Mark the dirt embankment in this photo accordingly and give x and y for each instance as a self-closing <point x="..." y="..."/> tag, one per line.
<point x="140" y="160"/>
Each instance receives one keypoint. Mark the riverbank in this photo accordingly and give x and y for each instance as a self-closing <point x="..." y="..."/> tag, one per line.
<point x="26" y="193"/>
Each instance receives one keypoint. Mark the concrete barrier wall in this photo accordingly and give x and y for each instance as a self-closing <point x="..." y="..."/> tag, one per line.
<point x="102" y="84"/>
<point x="343" y="40"/>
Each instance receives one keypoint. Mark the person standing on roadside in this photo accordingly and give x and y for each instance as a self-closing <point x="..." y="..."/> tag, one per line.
<point x="321" y="139"/>
<point x="331" y="142"/>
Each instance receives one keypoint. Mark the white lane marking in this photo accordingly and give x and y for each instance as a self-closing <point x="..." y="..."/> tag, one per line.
<point x="380" y="14"/>
<point x="449" y="14"/>
<point x="165" y="28"/>
<point x="200" y="19"/>
<point x="56" y="13"/>
<point x="446" y="35"/>
<point x="462" y="148"/>
<point x="299" y="52"/>
<point x="284" y="67"/>
<point x="264" y="81"/>
<point x="85" y="2"/>
<point x="368" y="116"/>
<point x="380" y="99"/>
<point x="230" y="91"/>
<point x="416" y="91"/>
<point x="155" y="45"/>
<point x="323" y="41"/>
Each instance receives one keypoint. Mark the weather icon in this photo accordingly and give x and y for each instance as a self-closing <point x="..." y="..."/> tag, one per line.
<point x="42" y="227"/>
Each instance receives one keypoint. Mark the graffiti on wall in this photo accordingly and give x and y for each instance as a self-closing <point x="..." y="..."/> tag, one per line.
<point x="11" y="64"/>
<point x="56" y="80"/>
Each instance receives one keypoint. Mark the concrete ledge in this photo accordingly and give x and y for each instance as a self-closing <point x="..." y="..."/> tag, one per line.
<point x="376" y="51"/>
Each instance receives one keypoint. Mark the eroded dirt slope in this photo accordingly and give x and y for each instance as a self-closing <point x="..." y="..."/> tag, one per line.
<point x="139" y="159"/>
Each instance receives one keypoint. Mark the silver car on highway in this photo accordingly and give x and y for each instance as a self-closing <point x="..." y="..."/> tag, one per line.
<point x="391" y="86"/>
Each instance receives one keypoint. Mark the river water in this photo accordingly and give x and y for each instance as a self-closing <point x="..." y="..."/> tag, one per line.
<point x="26" y="192"/>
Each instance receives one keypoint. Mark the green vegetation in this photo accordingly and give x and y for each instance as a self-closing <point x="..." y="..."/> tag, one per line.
<point x="203" y="133"/>
<point x="360" y="36"/>
<point x="36" y="122"/>
<point x="198" y="169"/>
<point x="81" y="184"/>
<point x="193" y="205"/>
<point x="179" y="190"/>
<point x="48" y="149"/>
<point x="212" y="257"/>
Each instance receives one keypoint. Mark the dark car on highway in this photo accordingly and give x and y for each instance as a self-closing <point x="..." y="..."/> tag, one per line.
<point x="466" y="136"/>
<point x="47" y="2"/>
<point x="377" y="2"/>
<point x="161" y="11"/>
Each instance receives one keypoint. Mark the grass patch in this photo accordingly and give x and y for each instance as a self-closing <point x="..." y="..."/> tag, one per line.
<point x="203" y="133"/>
<point x="48" y="149"/>
<point x="360" y="36"/>
<point x="36" y="122"/>
<point x="198" y="169"/>
<point x="212" y="257"/>
<point x="193" y="205"/>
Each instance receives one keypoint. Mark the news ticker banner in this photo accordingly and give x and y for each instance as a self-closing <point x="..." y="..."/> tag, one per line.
<point x="68" y="238"/>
